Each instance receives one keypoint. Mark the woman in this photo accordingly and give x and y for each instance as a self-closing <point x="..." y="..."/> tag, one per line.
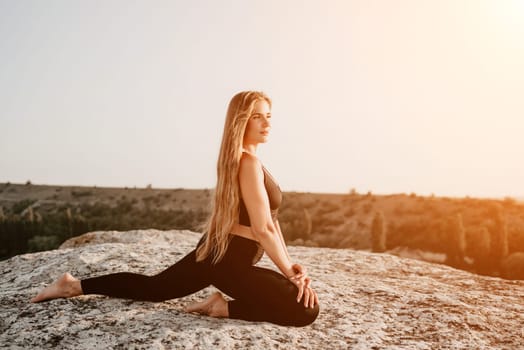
<point x="242" y="225"/>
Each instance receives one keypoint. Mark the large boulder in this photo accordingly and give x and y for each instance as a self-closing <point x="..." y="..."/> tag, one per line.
<point x="367" y="300"/>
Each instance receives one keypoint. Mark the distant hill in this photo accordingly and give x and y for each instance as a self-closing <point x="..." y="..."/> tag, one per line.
<point x="39" y="217"/>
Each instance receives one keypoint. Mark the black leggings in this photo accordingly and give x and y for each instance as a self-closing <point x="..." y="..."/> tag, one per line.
<point x="259" y="294"/>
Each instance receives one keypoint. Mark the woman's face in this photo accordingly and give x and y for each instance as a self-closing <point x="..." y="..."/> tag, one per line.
<point x="258" y="125"/>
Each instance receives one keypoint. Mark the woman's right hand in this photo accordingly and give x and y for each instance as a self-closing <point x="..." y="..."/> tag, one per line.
<point x="303" y="283"/>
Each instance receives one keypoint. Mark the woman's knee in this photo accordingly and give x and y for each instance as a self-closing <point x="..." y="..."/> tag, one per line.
<point x="306" y="316"/>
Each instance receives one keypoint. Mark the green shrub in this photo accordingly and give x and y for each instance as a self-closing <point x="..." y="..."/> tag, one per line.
<point x="499" y="235"/>
<point x="417" y="233"/>
<point x="478" y="244"/>
<point x="40" y="243"/>
<point x="516" y="237"/>
<point x="349" y="212"/>
<point x="327" y="207"/>
<point x="19" y="206"/>
<point x="378" y="233"/>
<point x="295" y="223"/>
<point x="456" y="240"/>
<point x="124" y="206"/>
<point x="81" y="193"/>
<point x="366" y="208"/>
<point x="399" y="209"/>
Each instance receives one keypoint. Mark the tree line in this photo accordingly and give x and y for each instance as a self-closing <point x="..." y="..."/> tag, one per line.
<point x="25" y="230"/>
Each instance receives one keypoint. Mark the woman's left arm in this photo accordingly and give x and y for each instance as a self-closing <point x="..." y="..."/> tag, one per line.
<point x="299" y="269"/>
<point x="282" y="241"/>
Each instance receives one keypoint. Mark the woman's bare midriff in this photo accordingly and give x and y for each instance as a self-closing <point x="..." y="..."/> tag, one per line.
<point x="243" y="231"/>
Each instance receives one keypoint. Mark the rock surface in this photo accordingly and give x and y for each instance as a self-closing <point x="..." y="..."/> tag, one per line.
<point x="367" y="301"/>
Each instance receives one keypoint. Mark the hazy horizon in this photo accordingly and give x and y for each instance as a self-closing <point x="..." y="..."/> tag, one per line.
<point x="145" y="187"/>
<point x="387" y="97"/>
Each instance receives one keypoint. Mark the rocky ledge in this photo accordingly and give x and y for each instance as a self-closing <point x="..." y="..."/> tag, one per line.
<point x="367" y="301"/>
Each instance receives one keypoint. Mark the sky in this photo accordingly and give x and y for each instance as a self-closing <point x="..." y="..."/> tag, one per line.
<point x="402" y="96"/>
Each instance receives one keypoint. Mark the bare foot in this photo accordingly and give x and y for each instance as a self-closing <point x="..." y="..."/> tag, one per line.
<point x="215" y="306"/>
<point x="64" y="287"/>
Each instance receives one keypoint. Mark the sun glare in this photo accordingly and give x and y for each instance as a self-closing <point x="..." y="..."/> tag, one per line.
<point x="510" y="18"/>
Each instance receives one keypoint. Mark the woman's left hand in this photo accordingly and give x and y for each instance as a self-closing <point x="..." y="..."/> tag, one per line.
<point x="299" y="270"/>
<point x="312" y="295"/>
<point x="303" y="283"/>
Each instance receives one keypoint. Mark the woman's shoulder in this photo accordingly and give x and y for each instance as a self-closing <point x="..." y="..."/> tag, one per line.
<point x="250" y="159"/>
<point x="249" y="163"/>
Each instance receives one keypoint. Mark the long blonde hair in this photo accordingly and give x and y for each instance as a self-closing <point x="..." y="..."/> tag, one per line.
<point x="226" y="198"/>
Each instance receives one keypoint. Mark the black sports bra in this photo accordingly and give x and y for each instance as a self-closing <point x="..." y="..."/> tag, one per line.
<point x="275" y="198"/>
